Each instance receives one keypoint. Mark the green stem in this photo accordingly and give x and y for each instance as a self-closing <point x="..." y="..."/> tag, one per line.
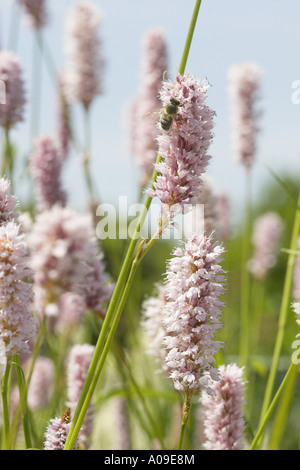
<point x="245" y="275"/>
<point x="189" y="38"/>
<point x="37" y="82"/>
<point x="285" y="302"/>
<point x="281" y="415"/>
<point x="269" y="411"/>
<point x="8" y="159"/>
<point x="5" y="405"/>
<point x="119" y="296"/>
<point x="87" y="154"/>
<point x="184" y="419"/>
<point x="23" y="399"/>
<point x="34" y="355"/>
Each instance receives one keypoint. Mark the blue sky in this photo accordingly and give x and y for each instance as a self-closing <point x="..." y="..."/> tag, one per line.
<point x="265" y="32"/>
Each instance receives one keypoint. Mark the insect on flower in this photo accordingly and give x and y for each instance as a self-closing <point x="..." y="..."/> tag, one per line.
<point x="66" y="417"/>
<point x="169" y="113"/>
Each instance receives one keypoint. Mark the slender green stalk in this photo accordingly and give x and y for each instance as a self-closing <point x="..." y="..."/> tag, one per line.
<point x="245" y="275"/>
<point x="281" y="415"/>
<point x="120" y="294"/>
<point x="37" y="83"/>
<point x="270" y="410"/>
<point x="285" y="302"/>
<point x="23" y="399"/>
<point x="8" y="159"/>
<point x="184" y="419"/>
<point x="5" y="405"/>
<point x="87" y="155"/>
<point x="33" y="357"/>
<point x="120" y="355"/>
<point x="189" y="38"/>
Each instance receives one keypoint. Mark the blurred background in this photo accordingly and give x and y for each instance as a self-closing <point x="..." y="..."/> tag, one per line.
<point x="266" y="33"/>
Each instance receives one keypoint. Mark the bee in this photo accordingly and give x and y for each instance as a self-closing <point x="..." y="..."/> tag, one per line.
<point x="168" y="113"/>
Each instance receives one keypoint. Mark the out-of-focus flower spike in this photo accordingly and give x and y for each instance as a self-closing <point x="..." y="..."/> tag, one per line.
<point x="267" y="233"/>
<point x="11" y="74"/>
<point x="45" y="166"/>
<point x="41" y="384"/>
<point x="152" y="69"/>
<point x="85" y="64"/>
<point x="79" y="360"/>
<point x="36" y="12"/>
<point x="244" y="85"/>
<point x="222" y="408"/>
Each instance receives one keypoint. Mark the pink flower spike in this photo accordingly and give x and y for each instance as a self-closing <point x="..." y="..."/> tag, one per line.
<point x="244" y="84"/>
<point x="152" y="68"/>
<point x="194" y="283"/>
<point x="79" y="360"/>
<point x="45" y="166"/>
<point x="184" y="147"/>
<point x="41" y="383"/>
<point x="17" y="323"/>
<point x="63" y="247"/>
<point x="8" y="203"/>
<point x="85" y="64"/>
<point x="57" y="432"/>
<point x="267" y="232"/>
<point x="12" y="111"/>
<point x="152" y="323"/>
<point x="36" y="12"/>
<point x="224" y="426"/>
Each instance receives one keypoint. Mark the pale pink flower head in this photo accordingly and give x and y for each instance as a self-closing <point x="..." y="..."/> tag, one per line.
<point x="267" y="233"/>
<point x="224" y="426"/>
<point x="17" y="323"/>
<point x="64" y="131"/>
<point x="223" y="216"/>
<point x="63" y="246"/>
<point x="244" y="85"/>
<point x="70" y="310"/>
<point x="11" y="74"/>
<point x="85" y="64"/>
<point x="36" y="12"/>
<point x="41" y="384"/>
<point x="152" y="311"/>
<point x="183" y="148"/>
<point x="8" y="203"/>
<point x="192" y="314"/>
<point x="296" y="291"/>
<point x="79" y="360"/>
<point x="57" y="432"/>
<point x="152" y="68"/>
<point x="98" y="287"/>
<point x="45" y="165"/>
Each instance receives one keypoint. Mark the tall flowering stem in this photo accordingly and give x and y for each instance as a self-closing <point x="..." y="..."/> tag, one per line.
<point x="244" y="83"/>
<point x="191" y="317"/>
<point x="123" y="284"/>
<point x="265" y="418"/>
<point x="285" y="303"/>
